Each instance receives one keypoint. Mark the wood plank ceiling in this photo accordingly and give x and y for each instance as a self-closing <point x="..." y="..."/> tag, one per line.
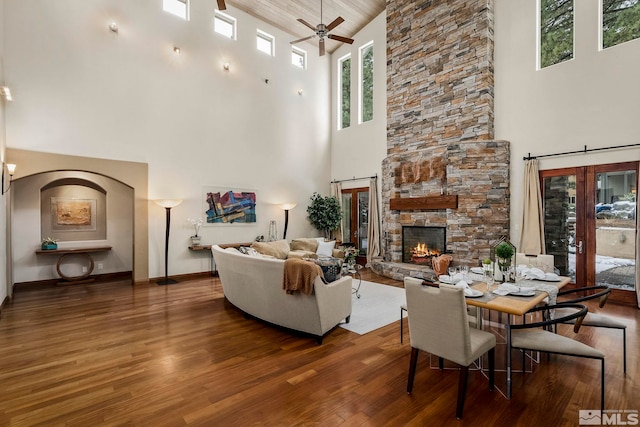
<point x="284" y="14"/>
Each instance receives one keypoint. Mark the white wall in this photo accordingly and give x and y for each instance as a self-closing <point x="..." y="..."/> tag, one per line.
<point x="358" y="151"/>
<point x="591" y="100"/>
<point x="80" y="89"/>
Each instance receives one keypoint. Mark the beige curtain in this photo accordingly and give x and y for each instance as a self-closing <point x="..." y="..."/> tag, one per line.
<point x="532" y="229"/>
<point x="637" y="250"/>
<point x="336" y="191"/>
<point x="373" y="228"/>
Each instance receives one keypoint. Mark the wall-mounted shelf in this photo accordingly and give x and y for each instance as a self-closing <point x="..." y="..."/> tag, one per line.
<point x="423" y="203"/>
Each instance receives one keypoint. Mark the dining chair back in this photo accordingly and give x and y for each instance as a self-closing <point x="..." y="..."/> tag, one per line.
<point x="439" y="325"/>
<point x="536" y="336"/>
<point x="598" y="320"/>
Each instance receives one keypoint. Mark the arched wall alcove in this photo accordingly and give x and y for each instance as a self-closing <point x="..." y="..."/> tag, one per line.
<point x="126" y="211"/>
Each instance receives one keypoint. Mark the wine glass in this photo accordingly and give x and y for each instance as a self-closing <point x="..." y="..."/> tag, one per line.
<point x="464" y="269"/>
<point x="452" y="272"/>
<point x="488" y="279"/>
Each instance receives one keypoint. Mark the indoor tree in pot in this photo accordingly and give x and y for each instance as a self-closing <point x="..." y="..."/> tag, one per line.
<point x="324" y="213"/>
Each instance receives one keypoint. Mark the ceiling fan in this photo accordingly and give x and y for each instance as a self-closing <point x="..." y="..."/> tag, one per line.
<point x="321" y="31"/>
<point x="221" y="5"/>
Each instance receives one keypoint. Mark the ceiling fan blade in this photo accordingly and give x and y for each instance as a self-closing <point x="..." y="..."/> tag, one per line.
<point x="335" y="23"/>
<point x="221" y="5"/>
<point x="321" y="47"/>
<point x="302" y="39"/>
<point x="340" y="38"/>
<point x="307" y="24"/>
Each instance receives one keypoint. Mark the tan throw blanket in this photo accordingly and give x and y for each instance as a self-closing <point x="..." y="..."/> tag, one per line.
<point x="299" y="275"/>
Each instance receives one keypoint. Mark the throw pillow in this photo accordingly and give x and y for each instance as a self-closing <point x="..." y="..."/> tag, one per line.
<point x="331" y="267"/>
<point x="277" y="249"/>
<point x="304" y="244"/>
<point x="326" y="248"/>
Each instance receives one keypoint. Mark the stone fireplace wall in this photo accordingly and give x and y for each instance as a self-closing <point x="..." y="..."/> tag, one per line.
<point x="440" y="132"/>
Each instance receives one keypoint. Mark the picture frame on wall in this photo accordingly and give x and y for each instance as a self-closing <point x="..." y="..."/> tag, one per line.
<point x="69" y="214"/>
<point x="224" y="205"/>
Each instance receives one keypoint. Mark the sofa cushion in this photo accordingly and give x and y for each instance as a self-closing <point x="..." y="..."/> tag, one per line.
<point x="301" y="254"/>
<point x="326" y="248"/>
<point x="305" y="244"/>
<point x="278" y="249"/>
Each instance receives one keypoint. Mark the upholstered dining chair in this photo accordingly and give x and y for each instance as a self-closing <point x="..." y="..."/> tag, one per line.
<point x="597" y="320"/>
<point x="473" y="313"/>
<point x="535" y="336"/>
<point x="438" y="324"/>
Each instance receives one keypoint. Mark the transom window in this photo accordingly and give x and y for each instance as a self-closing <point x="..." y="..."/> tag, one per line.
<point x="298" y="57"/>
<point x="556" y="32"/>
<point x="224" y="24"/>
<point x="620" y="21"/>
<point x="265" y="42"/>
<point x="177" y="7"/>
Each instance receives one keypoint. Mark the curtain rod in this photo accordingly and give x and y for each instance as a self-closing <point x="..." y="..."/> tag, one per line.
<point x="354" y="179"/>
<point x="585" y="150"/>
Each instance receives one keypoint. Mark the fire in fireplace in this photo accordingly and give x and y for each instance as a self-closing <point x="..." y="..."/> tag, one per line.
<point x="421" y="244"/>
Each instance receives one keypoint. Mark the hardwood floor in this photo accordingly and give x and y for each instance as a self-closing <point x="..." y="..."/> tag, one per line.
<point x="113" y="354"/>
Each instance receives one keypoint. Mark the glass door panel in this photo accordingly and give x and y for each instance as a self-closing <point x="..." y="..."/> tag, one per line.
<point x="559" y="200"/>
<point x="615" y="229"/>
<point x="346" y="218"/>
<point x="363" y="221"/>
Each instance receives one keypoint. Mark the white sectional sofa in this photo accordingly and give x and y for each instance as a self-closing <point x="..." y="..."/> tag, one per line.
<point x="254" y="285"/>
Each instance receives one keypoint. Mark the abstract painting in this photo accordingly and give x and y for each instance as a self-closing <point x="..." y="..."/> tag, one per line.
<point x="230" y="206"/>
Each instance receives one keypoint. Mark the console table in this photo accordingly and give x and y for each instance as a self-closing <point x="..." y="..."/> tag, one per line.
<point x="214" y="271"/>
<point x="84" y="252"/>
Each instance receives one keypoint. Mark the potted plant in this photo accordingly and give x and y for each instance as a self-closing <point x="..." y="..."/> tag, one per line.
<point x="49" y="244"/>
<point x="324" y="213"/>
<point x="504" y="253"/>
<point x="197" y="223"/>
<point x="350" y="253"/>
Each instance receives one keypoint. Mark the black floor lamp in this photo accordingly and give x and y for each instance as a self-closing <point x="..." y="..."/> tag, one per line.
<point x="167" y="204"/>
<point x="286" y="207"/>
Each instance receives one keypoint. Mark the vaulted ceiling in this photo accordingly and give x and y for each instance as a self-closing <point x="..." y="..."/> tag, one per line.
<point x="284" y="14"/>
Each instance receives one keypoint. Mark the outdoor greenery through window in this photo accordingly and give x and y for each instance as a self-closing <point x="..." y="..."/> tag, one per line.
<point x="224" y="24"/>
<point x="620" y="21"/>
<point x="344" y="70"/>
<point x="366" y="75"/>
<point x="556" y="31"/>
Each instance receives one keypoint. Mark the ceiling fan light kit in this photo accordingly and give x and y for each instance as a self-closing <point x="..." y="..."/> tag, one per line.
<point x="322" y="31"/>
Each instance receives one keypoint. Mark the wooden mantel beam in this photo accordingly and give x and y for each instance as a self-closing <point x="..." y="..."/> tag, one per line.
<point x="423" y="203"/>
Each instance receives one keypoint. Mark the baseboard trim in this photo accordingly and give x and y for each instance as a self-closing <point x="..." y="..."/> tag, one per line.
<point x="97" y="278"/>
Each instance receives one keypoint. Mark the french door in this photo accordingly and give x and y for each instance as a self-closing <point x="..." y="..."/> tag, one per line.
<point x="590" y="224"/>
<point x="355" y="217"/>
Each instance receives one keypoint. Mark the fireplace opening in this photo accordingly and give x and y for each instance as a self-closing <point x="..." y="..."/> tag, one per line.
<point x="421" y="244"/>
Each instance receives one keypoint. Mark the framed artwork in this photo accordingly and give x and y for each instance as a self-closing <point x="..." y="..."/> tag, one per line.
<point x="69" y="214"/>
<point x="229" y="206"/>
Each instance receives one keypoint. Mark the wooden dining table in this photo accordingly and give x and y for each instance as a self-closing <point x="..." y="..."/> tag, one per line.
<point x="512" y="306"/>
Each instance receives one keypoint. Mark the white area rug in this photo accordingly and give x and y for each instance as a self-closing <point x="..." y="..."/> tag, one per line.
<point x="377" y="306"/>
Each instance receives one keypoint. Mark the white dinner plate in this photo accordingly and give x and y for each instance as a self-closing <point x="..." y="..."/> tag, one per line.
<point x="523" y="293"/>
<point x="549" y="279"/>
<point x="474" y="293"/>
